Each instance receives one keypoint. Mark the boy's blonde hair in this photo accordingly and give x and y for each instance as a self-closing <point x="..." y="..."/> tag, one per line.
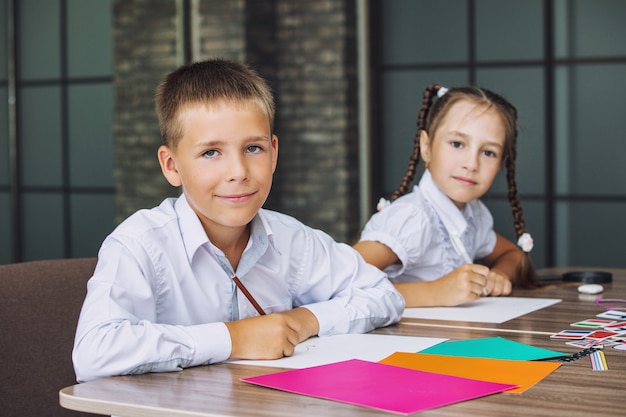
<point x="208" y="83"/>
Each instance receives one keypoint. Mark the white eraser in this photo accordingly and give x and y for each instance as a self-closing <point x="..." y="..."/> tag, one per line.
<point x="590" y="289"/>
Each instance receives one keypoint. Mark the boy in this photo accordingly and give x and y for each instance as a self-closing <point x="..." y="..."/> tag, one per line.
<point x="211" y="275"/>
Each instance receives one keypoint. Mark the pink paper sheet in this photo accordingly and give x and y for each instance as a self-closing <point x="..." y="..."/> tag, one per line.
<point x="379" y="386"/>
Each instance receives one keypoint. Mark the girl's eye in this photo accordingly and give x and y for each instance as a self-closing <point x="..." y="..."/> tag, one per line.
<point x="490" y="154"/>
<point x="456" y="144"/>
<point x="254" y="149"/>
<point x="211" y="153"/>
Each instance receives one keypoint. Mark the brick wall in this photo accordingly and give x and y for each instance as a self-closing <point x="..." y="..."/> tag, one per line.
<point x="317" y="126"/>
<point x="145" y="49"/>
<point x="305" y="48"/>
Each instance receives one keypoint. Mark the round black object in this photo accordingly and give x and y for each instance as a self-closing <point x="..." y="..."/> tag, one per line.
<point x="589" y="277"/>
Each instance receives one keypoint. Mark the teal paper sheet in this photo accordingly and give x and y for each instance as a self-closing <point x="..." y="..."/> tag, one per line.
<point x="493" y="348"/>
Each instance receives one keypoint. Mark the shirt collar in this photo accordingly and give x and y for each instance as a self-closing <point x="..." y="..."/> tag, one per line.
<point x="453" y="219"/>
<point x="194" y="236"/>
<point x="191" y="229"/>
<point x="260" y="240"/>
<point x="261" y="229"/>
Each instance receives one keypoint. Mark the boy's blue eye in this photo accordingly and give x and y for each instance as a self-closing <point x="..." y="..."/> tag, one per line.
<point x="210" y="153"/>
<point x="254" y="149"/>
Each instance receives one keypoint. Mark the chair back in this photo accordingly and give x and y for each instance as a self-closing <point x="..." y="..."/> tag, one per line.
<point x="39" y="306"/>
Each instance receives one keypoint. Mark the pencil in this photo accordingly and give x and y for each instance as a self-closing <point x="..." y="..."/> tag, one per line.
<point x="249" y="296"/>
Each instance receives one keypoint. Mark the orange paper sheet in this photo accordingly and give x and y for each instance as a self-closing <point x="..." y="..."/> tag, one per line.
<point x="525" y="374"/>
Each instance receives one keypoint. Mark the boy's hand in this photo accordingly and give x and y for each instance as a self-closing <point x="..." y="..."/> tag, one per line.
<point x="272" y="336"/>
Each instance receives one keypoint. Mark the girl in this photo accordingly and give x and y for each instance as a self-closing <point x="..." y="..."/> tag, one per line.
<point x="427" y="239"/>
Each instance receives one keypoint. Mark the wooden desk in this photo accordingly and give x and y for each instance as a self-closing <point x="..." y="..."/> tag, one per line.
<point x="216" y="390"/>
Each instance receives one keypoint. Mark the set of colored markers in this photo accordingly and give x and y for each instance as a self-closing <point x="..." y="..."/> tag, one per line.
<point x="603" y="331"/>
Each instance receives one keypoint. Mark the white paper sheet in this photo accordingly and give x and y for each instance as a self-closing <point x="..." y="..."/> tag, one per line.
<point x="330" y="349"/>
<point x="485" y="310"/>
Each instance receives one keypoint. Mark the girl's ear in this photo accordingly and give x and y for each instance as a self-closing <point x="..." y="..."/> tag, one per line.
<point x="168" y="166"/>
<point x="425" y="147"/>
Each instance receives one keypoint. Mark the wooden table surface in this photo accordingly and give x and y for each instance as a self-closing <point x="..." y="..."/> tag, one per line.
<point x="216" y="390"/>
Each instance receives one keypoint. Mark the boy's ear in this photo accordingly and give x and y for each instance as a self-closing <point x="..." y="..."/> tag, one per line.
<point x="425" y="147"/>
<point x="168" y="165"/>
<point x="274" y="140"/>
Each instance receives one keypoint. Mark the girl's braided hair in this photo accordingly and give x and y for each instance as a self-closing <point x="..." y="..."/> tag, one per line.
<point x="436" y="102"/>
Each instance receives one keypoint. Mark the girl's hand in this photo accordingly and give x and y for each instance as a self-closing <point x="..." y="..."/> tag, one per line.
<point x="462" y="285"/>
<point x="497" y="283"/>
<point x="465" y="284"/>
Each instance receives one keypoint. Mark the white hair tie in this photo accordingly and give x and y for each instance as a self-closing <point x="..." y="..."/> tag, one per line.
<point x="525" y="242"/>
<point x="382" y="203"/>
<point x="441" y="91"/>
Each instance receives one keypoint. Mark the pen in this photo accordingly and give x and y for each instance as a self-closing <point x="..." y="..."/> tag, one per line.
<point x="249" y="296"/>
<point x="458" y="246"/>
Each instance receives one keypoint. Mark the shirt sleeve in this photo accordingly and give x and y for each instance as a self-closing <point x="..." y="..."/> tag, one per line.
<point x="486" y="236"/>
<point x="403" y="228"/>
<point x="346" y="294"/>
<point x="117" y="331"/>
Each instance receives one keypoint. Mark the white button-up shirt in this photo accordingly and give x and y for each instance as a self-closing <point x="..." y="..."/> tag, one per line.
<point x="413" y="229"/>
<point x="162" y="291"/>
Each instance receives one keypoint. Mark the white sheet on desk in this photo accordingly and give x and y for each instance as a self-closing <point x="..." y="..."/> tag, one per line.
<point x="485" y="310"/>
<point x="331" y="349"/>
